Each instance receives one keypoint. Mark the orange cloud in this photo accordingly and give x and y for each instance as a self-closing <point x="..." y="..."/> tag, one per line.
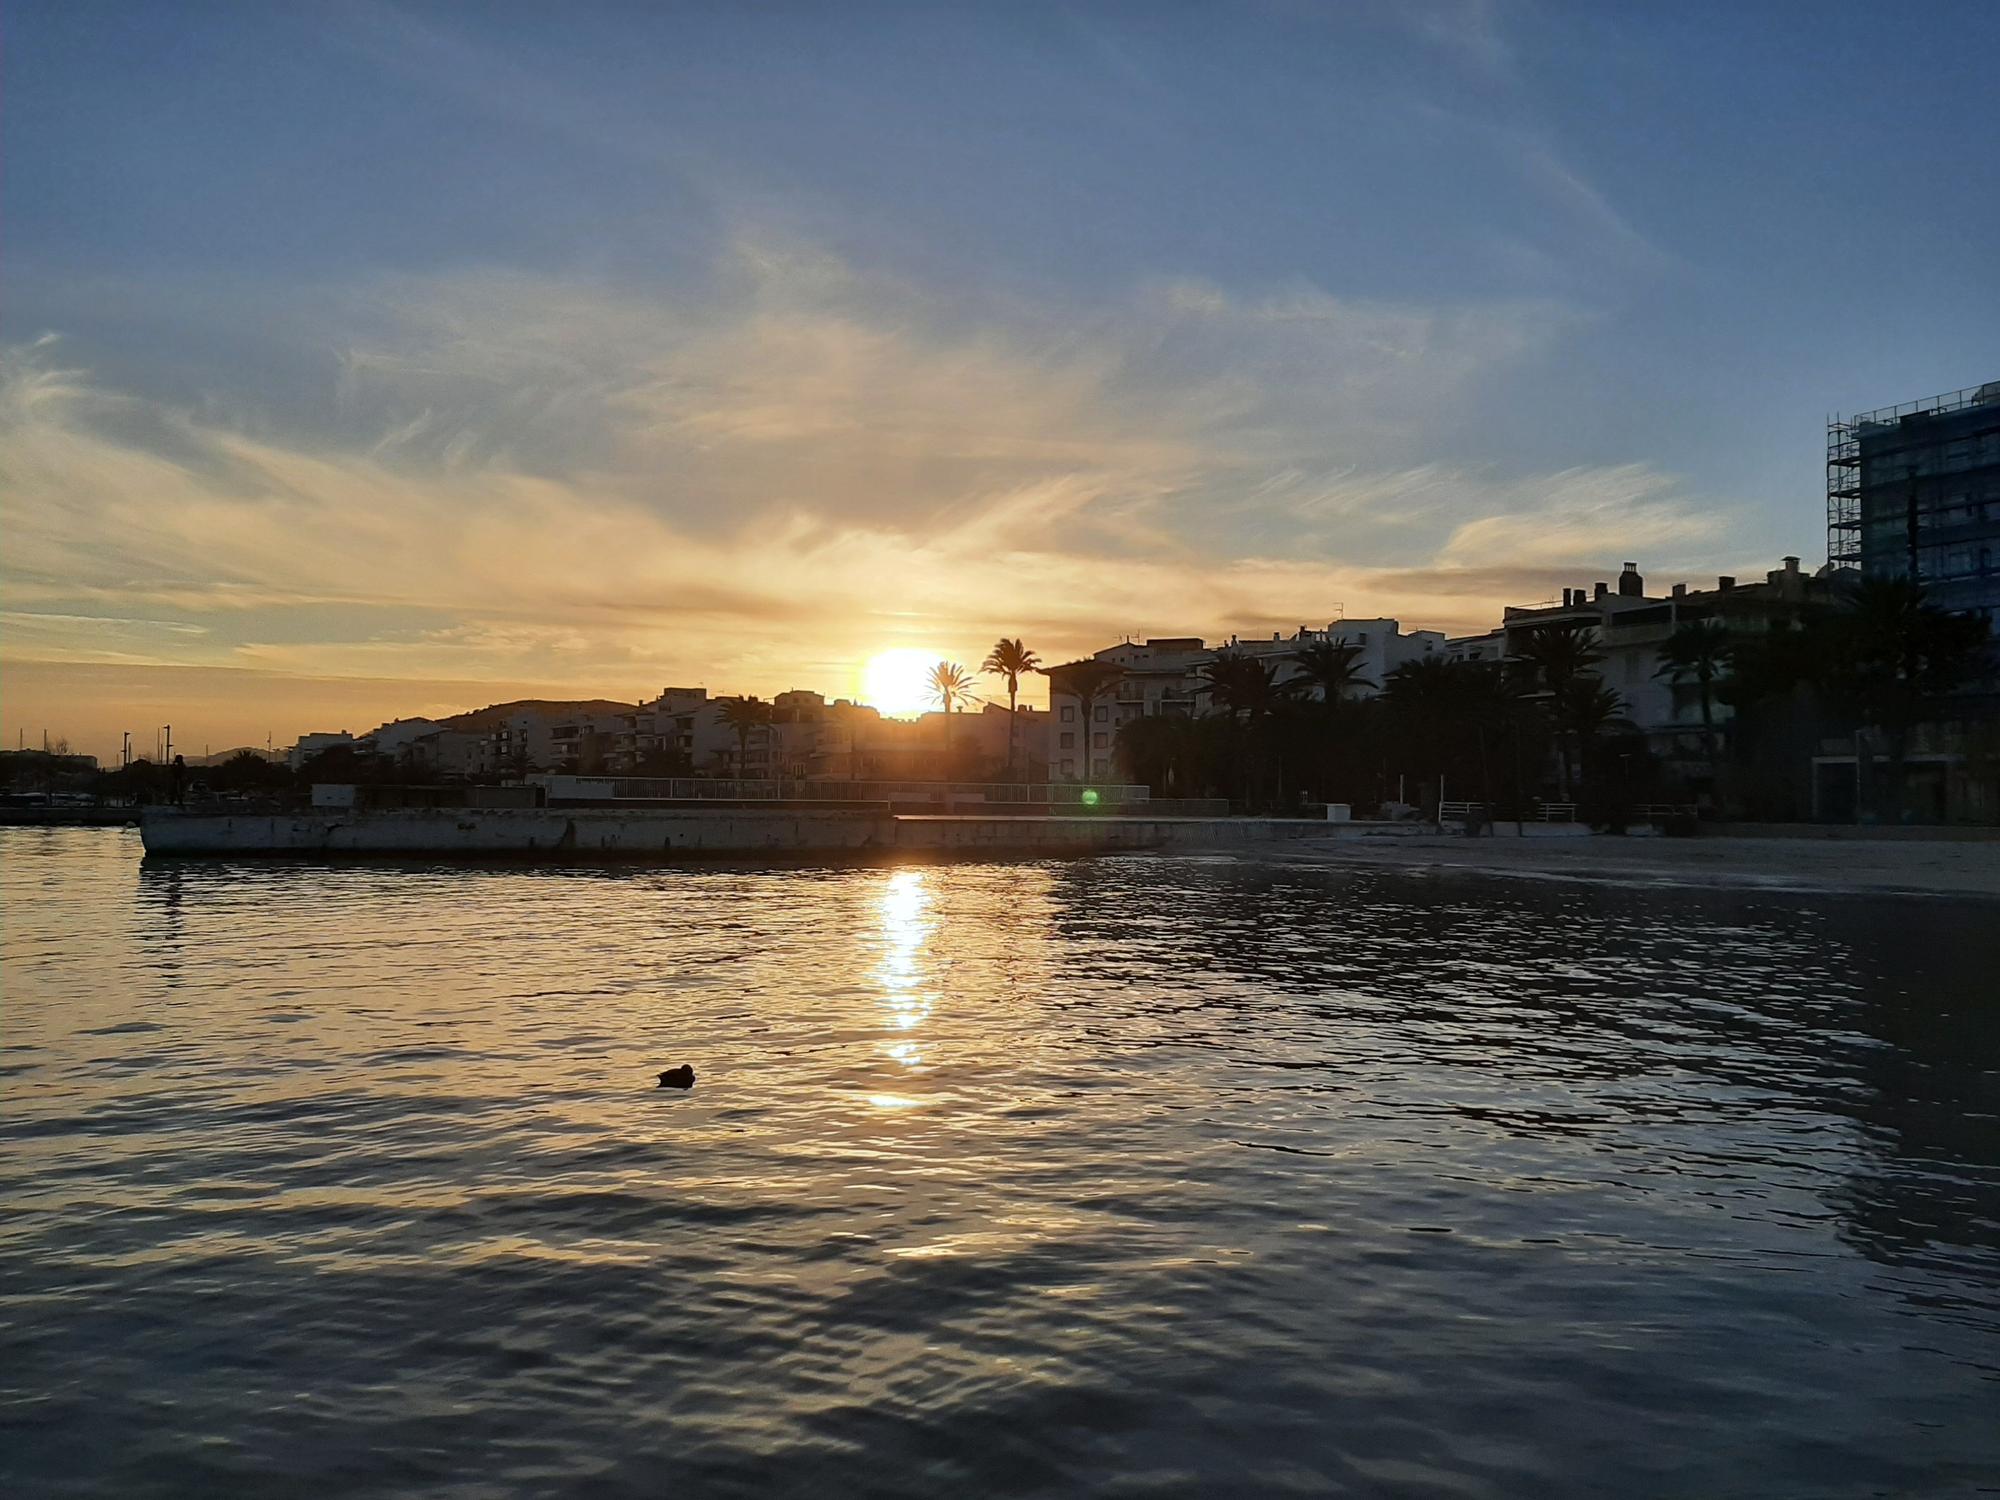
<point x="534" y="483"/>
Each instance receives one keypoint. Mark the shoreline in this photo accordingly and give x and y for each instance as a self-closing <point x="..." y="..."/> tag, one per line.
<point x="1954" y="863"/>
<point x="1900" y="866"/>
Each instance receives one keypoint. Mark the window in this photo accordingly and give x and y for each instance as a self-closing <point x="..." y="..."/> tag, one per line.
<point x="1069" y="713"/>
<point x="1068" y="767"/>
<point x="1103" y="768"/>
<point x="1103" y="713"/>
<point x="1100" y="741"/>
<point x="1067" y="742"/>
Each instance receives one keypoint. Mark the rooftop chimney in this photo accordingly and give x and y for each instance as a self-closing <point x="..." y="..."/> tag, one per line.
<point x="1791" y="583"/>
<point x="1630" y="584"/>
<point x="1680" y="591"/>
<point x="1600" y="590"/>
<point x="1724" y="584"/>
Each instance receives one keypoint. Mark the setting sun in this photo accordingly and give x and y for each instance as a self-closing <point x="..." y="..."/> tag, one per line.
<point x="898" y="682"/>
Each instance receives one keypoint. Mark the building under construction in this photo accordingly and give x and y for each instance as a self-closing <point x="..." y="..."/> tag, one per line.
<point x="1913" y="491"/>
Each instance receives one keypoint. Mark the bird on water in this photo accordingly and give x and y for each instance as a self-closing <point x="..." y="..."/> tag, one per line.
<point x="678" y="1078"/>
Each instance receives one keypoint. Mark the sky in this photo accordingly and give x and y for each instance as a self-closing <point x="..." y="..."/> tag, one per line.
<point x="364" y="360"/>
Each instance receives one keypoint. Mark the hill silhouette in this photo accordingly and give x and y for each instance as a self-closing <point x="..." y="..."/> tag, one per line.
<point x="496" y="714"/>
<point x="223" y="757"/>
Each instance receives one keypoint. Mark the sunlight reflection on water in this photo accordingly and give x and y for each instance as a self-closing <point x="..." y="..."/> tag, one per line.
<point x="1176" y="1175"/>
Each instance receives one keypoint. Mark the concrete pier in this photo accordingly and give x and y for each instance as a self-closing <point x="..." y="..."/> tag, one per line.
<point x="558" y="833"/>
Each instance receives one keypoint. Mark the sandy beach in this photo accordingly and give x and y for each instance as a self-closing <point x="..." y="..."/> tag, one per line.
<point x="1944" y="867"/>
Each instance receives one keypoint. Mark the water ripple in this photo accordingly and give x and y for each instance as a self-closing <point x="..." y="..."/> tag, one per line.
<point x="1134" y="1175"/>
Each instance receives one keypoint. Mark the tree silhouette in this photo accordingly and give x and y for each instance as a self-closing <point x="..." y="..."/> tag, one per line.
<point x="1242" y="685"/>
<point x="1013" y="661"/>
<point x="950" y="687"/>
<point x="1887" y="661"/>
<point x="742" y="715"/>
<point x="1589" y="710"/>
<point x="1700" y="652"/>
<point x="1333" y="668"/>
<point x="1558" y="655"/>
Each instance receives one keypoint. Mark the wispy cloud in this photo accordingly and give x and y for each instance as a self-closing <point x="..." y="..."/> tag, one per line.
<point x="760" y="485"/>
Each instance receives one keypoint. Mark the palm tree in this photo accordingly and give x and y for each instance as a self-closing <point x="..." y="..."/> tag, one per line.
<point x="1432" y="701"/>
<point x="1245" y="685"/>
<point x="1888" y="659"/>
<point x="1242" y="684"/>
<point x="1559" y="655"/>
<point x="950" y="687"/>
<point x="743" y="715"/>
<point x="1700" y="652"/>
<point x="1590" y="709"/>
<point x="1333" y="668"/>
<point x="1013" y="661"/>
<point x="1086" y="681"/>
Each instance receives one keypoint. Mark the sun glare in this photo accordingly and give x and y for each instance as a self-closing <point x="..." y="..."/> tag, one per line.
<point x="897" y="682"/>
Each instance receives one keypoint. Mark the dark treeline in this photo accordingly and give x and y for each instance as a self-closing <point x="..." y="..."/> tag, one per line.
<point x="244" y="775"/>
<point x="1880" y="671"/>
<point x="1544" y="726"/>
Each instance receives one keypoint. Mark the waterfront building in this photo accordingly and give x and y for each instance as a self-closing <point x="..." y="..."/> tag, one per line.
<point x="1631" y="626"/>
<point x="1163" y="675"/>
<point x="398" y="736"/>
<point x="667" y="724"/>
<point x="1488" y="646"/>
<point x="310" y="745"/>
<point x="1383" y="645"/>
<point x="456" y="752"/>
<point x="1913" y="491"/>
<point x="434" y="746"/>
<point x="854" y="742"/>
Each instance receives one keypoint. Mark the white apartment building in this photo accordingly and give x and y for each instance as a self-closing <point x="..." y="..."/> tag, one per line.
<point x="1382" y="644"/>
<point x="398" y="735"/>
<point x="1631" y="625"/>
<point x="1163" y="675"/>
<point x="427" y="743"/>
<point x="668" y="721"/>
<point x="457" y="752"/>
<point x="310" y="745"/>
<point x="687" y="720"/>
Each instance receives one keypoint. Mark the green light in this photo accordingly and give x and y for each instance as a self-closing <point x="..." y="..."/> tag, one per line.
<point x="1090" y="796"/>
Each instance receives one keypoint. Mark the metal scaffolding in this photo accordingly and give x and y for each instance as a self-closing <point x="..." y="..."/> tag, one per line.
<point x="1843" y="494"/>
<point x="1898" y="466"/>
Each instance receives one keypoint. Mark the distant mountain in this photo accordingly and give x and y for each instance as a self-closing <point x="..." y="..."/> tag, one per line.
<point x="495" y="715"/>
<point x="222" y="757"/>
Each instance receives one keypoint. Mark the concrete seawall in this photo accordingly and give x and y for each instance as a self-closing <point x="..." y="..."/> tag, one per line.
<point x="630" y="834"/>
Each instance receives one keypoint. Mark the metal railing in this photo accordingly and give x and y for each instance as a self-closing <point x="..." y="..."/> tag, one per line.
<point x="765" y="789"/>
<point x="1950" y="401"/>
<point x="1564" y="812"/>
<point x="1540" y="812"/>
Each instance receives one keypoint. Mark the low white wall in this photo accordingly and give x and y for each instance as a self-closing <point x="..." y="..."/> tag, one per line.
<point x="641" y="834"/>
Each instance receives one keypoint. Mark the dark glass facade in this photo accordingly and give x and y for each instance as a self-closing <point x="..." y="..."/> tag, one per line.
<point x="1914" y="490"/>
